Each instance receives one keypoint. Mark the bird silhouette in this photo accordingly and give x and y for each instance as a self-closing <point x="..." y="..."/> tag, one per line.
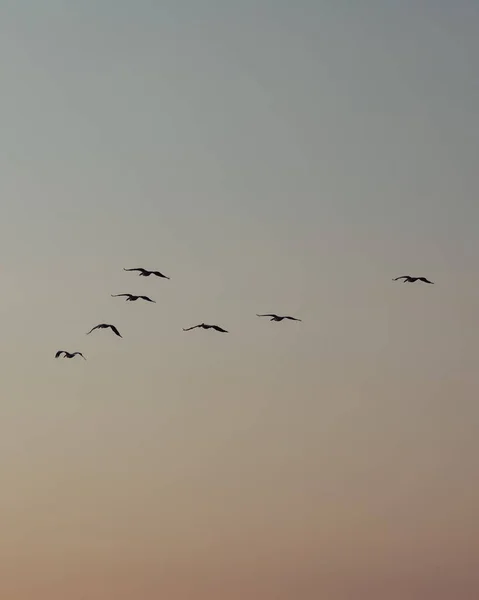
<point x="278" y="318"/>
<point x="205" y="326"/>
<point x="105" y="326"/>
<point x="409" y="279"/>
<point x="132" y="298"/>
<point x="146" y="273"/>
<point x="68" y="354"/>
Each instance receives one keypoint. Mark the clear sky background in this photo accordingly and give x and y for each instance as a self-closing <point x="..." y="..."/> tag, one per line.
<point x="268" y="155"/>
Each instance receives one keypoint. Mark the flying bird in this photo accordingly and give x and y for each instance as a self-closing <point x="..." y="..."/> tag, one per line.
<point x="205" y="326"/>
<point x="132" y="298"/>
<point x="68" y="354"/>
<point x="278" y="318"/>
<point x="146" y="273"/>
<point x="105" y="326"/>
<point x="409" y="279"/>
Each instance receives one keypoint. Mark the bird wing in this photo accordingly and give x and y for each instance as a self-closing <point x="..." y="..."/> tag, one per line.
<point x="93" y="328"/>
<point x="115" y="330"/>
<point x="268" y="315"/>
<point x="59" y="353"/>
<point x="425" y="280"/>
<point x="292" y="318"/>
<point x="218" y="328"/>
<point x="79" y="354"/>
<point x="158" y="274"/>
<point x="117" y="295"/>
<point x="190" y="328"/>
<point x="136" y="269"/>
<point x="402" y="277"/>
<point x="146" y="298"/>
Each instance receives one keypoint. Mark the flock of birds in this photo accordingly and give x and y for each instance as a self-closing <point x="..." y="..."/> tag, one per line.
<point x="145" y="273"/>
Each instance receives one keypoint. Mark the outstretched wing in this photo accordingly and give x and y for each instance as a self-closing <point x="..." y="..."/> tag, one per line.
<point x="402" y="277"/>
<point x="118" y="295"/>
<point x="79" y="354"/>
<point x="59" y="353"/>
<point x="115" y="330"/>
<point x="136" y="269"/>
<point x="268" y="315"/>
<point x="190" y="328"/>
<point x="425" y="280"/>
<point x="218" y="328"/>
<point x="93" y="328"/>
<point x="292" y="318"/>
<point x="158" y="274"/>
<point x="146" y="298"/>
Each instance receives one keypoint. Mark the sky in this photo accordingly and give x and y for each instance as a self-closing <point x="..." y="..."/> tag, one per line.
<point x="268" y="156"/>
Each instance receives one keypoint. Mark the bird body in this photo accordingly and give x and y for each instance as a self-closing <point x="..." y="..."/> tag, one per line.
<point x="205" y="326"/>
<point x="278" y="317"/>
<point x="105" y="326"/>
<point x="132" y="297"/>
<point x="146" y="273"/>
<point x="409" y="279"/>
<point x="68" y="354"/>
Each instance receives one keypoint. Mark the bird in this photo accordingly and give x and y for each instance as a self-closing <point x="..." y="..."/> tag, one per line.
<point x="68" y="354"/>
<point x="132" y="298"/>
<point x="278" y="318"/>
<point x="409" y="279"/>
<point x="205" y="326"/>
<point x="146" y="273"/>
<point x="105" y="326"/>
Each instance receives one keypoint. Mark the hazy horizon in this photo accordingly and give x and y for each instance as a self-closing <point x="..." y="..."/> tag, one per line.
<point x="268" y="157"/>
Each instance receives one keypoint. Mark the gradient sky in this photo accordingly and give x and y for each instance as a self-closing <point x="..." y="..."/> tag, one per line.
<point x="268" y="155"/>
